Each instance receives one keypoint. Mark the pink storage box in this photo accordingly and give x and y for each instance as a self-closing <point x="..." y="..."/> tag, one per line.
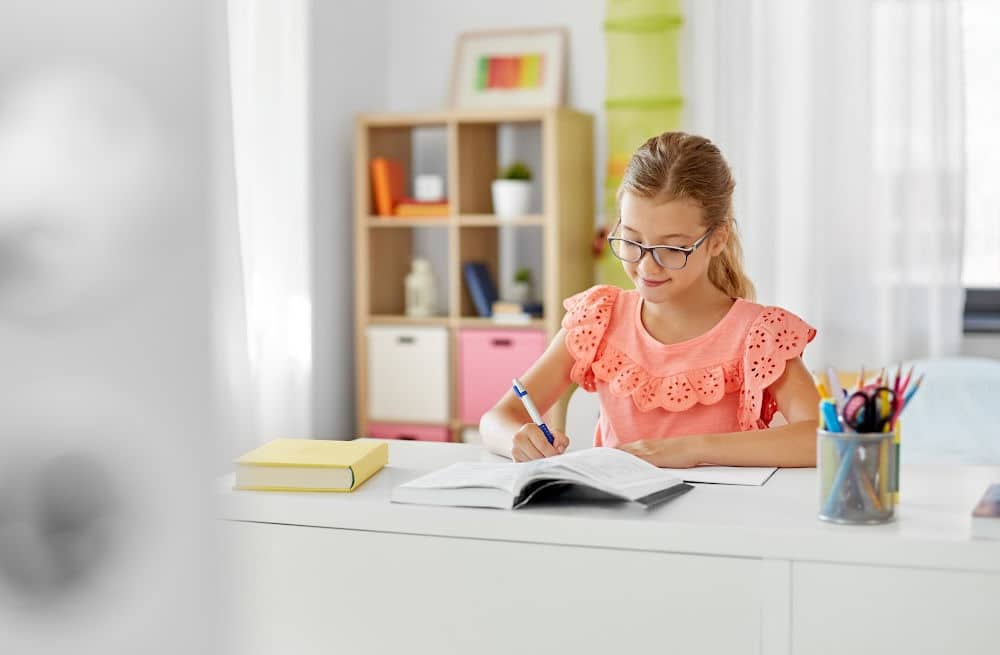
<point x="487" y="362"/>
<point x="408" y="432"/>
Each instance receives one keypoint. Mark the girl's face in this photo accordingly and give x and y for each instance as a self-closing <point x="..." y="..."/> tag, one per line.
<point x="672" y="223"/>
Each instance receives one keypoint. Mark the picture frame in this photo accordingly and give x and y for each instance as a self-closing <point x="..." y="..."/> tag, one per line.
<point x="510" y="68"/>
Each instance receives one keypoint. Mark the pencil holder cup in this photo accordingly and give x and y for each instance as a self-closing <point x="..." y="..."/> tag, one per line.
<point x="858" y="476"/>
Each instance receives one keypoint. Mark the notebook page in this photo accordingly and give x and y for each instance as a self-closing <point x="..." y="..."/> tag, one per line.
<point x="750" y="476"/>
<point x="470" y="474"/>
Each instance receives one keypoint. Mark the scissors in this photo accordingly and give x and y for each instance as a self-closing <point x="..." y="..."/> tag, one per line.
<point x="870" y="410"/>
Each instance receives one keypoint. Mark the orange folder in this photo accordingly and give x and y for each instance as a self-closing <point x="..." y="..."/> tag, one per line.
<point x="387" y="185"/>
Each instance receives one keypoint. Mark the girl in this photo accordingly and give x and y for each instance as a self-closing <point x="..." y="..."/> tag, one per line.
<point x="688" y="369"/>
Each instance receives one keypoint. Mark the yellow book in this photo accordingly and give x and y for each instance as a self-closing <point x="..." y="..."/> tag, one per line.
<point x="310" y="465"/>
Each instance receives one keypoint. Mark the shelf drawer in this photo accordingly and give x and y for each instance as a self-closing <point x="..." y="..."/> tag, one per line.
<point x="487" y="361"/>
<point x="408" y="432"/>
<point x="409" y="374"/>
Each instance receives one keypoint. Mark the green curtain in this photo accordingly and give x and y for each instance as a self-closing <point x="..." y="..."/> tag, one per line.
<point x="643" y="95"/>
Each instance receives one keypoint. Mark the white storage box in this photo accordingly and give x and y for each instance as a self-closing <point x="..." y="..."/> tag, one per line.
<point x="409" y="374"/>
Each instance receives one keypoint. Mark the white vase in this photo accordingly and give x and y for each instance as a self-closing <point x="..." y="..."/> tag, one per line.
<point x="428" y="188"/>
<point x="511" y="197"/>
<point x="520" y="292"/>
<point x="420" y="292"/>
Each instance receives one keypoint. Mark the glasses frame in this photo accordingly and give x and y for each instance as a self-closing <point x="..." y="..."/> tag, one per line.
<point x="653" y="250"/>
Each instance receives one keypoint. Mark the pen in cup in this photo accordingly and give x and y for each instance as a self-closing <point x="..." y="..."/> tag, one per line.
<point x="536" y="418"/>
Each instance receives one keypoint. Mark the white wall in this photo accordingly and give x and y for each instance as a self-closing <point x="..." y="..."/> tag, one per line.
<point x="348" y="76"/>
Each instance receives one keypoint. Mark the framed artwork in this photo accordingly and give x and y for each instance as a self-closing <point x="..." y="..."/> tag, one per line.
<point x="509" y="68"/>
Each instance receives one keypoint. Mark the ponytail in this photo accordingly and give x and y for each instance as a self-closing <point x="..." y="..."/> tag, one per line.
<point x="726" y="269"/>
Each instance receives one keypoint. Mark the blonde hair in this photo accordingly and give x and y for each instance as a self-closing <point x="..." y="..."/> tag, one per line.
<point x="679" y="166"/>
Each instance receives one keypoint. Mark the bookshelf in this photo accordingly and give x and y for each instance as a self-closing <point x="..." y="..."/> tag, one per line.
<point x="384" y="246"/>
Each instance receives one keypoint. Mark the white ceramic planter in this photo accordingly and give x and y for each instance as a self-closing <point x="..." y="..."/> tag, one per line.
<point x="520" y="292"/>
<point x="511" y="198"/>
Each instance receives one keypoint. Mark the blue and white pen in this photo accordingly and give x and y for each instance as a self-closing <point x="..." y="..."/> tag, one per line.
<point x="536" y="418"/>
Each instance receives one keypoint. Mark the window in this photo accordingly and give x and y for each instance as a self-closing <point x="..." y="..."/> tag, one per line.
<point x="981" y="265"/>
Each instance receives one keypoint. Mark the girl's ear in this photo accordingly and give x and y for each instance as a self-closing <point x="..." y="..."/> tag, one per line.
<point x="718" y="241"/>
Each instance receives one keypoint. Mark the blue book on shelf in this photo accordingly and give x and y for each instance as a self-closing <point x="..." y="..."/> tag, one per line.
<point x="480" y="286"/>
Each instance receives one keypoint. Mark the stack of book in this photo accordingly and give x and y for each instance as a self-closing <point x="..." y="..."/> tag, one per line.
<point x="515" y="312"/>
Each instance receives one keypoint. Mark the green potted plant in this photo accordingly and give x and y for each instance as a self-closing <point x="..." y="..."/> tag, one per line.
<point x="512" y="191"/>
<point x="521" y="290"/>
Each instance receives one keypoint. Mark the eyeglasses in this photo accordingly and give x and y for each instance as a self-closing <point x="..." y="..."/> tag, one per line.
<point x="672" y="257"/>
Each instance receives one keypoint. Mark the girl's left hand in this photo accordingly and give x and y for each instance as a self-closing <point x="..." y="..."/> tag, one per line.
<point x="675" y="453"/>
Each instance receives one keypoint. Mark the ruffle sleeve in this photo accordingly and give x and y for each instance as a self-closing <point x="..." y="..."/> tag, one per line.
<point x="588" y="315"/>
<point x="775" y="337"/>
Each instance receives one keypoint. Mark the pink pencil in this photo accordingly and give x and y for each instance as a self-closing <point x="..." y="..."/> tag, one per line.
<point x="906" y="381"/>
<point x="897" y="400"/>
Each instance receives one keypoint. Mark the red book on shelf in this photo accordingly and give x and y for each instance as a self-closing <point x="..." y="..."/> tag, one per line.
<point x="387" y="185"/>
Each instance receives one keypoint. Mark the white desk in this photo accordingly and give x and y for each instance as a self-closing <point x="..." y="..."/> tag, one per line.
<point x="719" y="570"/>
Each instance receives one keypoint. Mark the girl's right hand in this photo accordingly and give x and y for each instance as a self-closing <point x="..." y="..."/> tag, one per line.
<point x="530" y="443"/>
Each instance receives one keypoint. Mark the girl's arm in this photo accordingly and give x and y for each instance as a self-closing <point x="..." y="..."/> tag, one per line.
<point x="507" y="429"/>
<point x="790" y="445"/>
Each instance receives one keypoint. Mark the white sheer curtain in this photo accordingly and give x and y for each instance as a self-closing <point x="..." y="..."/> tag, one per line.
<point x="844" y="124"/>
<point x="267" y="337"/>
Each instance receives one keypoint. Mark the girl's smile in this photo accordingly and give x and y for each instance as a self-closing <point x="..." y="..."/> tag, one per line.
<point x="652" y="283"/>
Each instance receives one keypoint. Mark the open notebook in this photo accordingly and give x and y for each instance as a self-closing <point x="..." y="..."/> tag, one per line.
<point x="599" y="471"/>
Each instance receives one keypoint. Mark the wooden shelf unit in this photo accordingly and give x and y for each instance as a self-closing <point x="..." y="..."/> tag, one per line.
<point x="384" y="245"/>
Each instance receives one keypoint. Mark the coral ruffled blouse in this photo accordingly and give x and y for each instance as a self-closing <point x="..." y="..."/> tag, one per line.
<point x="715" y="382"/>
